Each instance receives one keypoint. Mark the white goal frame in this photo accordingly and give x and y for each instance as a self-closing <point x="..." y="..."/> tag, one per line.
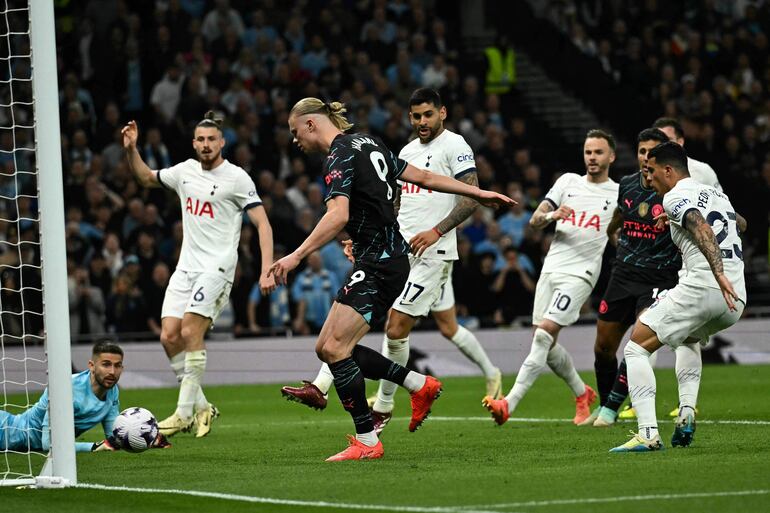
<point x="60" y="466"/>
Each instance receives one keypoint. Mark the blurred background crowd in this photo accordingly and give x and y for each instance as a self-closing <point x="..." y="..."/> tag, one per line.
<point x="166" y="62"/>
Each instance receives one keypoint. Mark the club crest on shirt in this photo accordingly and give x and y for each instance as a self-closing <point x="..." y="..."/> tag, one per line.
<point x="644" y="207"/>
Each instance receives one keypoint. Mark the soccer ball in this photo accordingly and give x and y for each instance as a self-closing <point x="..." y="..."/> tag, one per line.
<point x="135" y="429"/>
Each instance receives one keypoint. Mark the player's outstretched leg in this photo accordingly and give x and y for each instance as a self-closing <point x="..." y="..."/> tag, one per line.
<point x="641" y="386"/>
<point x="312" y="394"/>
<point x="498" y="408"/>
<point x="423" y="389"/>
<point x="561" y="364"/>
<point x="533" y="365"/>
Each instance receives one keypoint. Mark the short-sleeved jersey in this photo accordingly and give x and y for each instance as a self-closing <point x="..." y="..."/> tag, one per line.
<point x="212" y="213"/>
<point x="580" y="239"/>
<point x="422" y="209"/>
<point x="360" y="167"/>
<point x="703" y="173"/>
<point x="716" y="209"/>
<point x="641" y="244"/>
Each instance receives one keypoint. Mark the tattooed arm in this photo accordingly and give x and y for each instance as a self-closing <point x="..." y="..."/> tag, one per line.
<point x="546" y="213"/>
<point x="463" y="208"/>
<point x="704" y="238"/>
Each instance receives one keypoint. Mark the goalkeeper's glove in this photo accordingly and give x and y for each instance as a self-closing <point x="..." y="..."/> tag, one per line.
<point x="160" y="442"/>
<point x="108" y="444"/>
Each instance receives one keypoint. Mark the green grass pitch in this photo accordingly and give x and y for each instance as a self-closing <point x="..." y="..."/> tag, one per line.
<point x="265" y="454"/>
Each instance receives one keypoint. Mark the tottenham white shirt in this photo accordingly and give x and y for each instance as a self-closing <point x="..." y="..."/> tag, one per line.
<point x="716" y="209"/>
<point x="212" y="213"/>
<point x="580" y="239"/>
<point x="703" y="173"/>
<point x="422" y="209"/>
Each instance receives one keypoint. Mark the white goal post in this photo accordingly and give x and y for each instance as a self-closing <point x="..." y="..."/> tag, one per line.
<point x="59" y="467"/>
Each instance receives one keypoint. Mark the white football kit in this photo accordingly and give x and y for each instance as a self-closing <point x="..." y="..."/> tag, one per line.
<point x="212" y="203"/>
<point x="574" y="260"/>
<point x="695" y="308"/>
<point x="703" y="173"/>
<point x="429" y="286"/>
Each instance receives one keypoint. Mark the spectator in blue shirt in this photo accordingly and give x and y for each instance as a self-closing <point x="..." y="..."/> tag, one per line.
<point x="314" y="291"/>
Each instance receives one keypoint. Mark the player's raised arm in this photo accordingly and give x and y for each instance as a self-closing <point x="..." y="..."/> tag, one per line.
<point x="440" y="183"/>
<point x="146" y="176"/>
<point x="258" y="218"/>
<point x="332" y="222"/>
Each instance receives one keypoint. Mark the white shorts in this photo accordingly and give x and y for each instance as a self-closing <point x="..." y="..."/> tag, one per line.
<point x="205" y="294"/>
<point x="688" y="312"/>
<point x="426" y="287"/>
<point x="559" y="298"/>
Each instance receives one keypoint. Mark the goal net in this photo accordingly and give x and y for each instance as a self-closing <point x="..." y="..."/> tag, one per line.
<point x="34" y="322"/>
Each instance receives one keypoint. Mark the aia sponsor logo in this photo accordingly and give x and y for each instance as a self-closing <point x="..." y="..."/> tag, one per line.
<point x="581" y="222"/>
<point x="199" y="208"/>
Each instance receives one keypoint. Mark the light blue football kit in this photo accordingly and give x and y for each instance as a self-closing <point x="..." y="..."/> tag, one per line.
<point x="30" y="430"/>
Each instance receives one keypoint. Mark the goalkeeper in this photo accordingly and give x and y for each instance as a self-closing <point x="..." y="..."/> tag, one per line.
<point x="95" y="400"/>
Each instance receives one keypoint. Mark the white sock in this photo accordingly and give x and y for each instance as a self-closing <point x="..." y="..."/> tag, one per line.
<point x="369" y="439"/>
<point x="177" y="365"/>
<point x="414" y="381"/>
<point x="641" y="387"/>
<point x="194" y="368"/>
<point x="560" y="362"/>
<point x="654" y="359"/>
<point x="531" y="368"/>
<point x="324" y="379"/>
<point x="396" y="350"/>
<point x="470" y="347"/>
<point x="688" y="373"/>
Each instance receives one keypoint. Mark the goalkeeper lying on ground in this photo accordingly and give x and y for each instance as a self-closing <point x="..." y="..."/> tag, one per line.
<point x="95" y="400"/>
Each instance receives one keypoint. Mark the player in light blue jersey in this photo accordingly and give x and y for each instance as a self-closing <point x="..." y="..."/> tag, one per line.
<point x="95" y="400"/>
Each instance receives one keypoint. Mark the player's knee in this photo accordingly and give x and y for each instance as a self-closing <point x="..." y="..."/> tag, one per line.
<point x="328" y="350"/>
<point x="170" y="338"/>
<point x="550" y="327"/>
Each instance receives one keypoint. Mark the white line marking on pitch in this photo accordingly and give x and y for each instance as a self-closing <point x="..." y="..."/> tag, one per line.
<point x="489" y="419"/>
<point x="596" y="500"/>
<point x="286" y="502"/>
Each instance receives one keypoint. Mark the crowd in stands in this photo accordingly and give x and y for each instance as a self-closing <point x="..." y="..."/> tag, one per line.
<point x="706" y="63"/>
<point x="166" y="62"/>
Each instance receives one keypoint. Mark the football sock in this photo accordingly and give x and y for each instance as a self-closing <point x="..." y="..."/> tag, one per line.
<point x="688" y="373"/>
<point x="177" y="365"/>
<point x="369" y="439"/>
<point x="469" y="345"/>
<point x="561" y="364"/>
<point x="531" y="368"/>
<point x="351" y="389"/>
<point x="396" y="350"/>
<point x="375" y="366"/>
<point x="606" y="369"/>
<point x="641" y="385"/>
<point x="324" y="379"/>
<point x="619" y="390"/>
<point x="194" y="367"/>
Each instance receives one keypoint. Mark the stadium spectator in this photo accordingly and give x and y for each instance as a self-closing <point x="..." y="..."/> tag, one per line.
<point x="313" y="291"/>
